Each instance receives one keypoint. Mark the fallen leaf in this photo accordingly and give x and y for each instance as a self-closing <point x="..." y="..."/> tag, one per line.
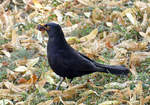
<point x="86" y="2"/>
<point x="20" y="103"/>
<point x="90" y="36"/>
<point x="33" y="79"/>
<point x="21" y="80"/>
<point x="70" y="29"/>
<point x="49" y="102"/>
<point x="6" y="53"/>
<point x="6" y="102"/>
<point x="130" y="13"/>
<point x="88" y="92"/>
<point x="12" y="87"/>
<point x="59" y="15"/>
<point x="32" y="62"/>
<point x="37" y="4"/>
<point x="5" y="63"/>
<point x="97" y="15"/>
<point x="21" y="69"/>
<point x="110" y="103"/>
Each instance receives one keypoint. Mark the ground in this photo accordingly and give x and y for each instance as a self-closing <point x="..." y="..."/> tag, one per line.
<point x="110" y="32"/>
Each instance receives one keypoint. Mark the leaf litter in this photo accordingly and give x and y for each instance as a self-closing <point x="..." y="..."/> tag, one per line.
<point x="111" y="32"/>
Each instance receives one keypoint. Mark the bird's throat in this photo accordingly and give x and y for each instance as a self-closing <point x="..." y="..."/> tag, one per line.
<point x="57" y="42"/>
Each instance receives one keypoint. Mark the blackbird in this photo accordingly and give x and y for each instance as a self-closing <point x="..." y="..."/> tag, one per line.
<point x="67" y="62"/>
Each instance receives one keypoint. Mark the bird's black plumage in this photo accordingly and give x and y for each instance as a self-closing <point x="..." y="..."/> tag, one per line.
<point x="67" y="62"/>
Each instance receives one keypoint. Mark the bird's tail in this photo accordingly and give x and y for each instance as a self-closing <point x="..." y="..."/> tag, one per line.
<point x="113" y="69"/>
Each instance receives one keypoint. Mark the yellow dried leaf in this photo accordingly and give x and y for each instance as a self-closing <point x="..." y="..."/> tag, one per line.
<point x="109" y="24"/>
<point x="59" y="15"/>
<point x="7" y="93"/>
<point x="12" y="87"/>
<point x="143" y="6"/>
<point x="139" y="89"/>
<point x="81" y="86"/>
<point x="116" y="85"/>
<point x="88" y="92"/>
<point x="81" y="100"/>
<point x="132" y="45"/>
<point x="147" y="99"/>
<point x="87" y="14"/>
<point x="131" y="18"/>
<point x="97" y="15"/>
<point x="6" y="102"/>
<point x="32" y="62"/>
<point x="72" y="14"/>
<point x="86" y="2"/>
<point x="21" y="69"/>
<point x="6" y="53"/>
<point x="37" y="4"/>
<point x="21" y="62"/>
<point x="138" y="57"/>
<point x="130" y="13"/>
<point x="54" y="93"/>
<point x="14" y="38"/>
<point x="145" y="20"/>
<point x="70" y="29"/>
<point x="110" y="103"/>
<point x="49" y="102"/>
<point x="91" y="36"/>
<point x="20" y="103"/>
<point x="72" y="40"/>
<point x="11" y="75"/>
<point x="40" y="86"/>
<point x="67" y="102"/>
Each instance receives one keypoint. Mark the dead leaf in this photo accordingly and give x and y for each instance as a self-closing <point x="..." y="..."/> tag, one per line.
<point x="137" y="57"/>
<point x="91" y="36"/>
<point x="37" y="4"/>
<point x="70" y="29"/>
<point x="20" y="103"/>
<point x="49" y="102"/>
<point x="12" y="87"/>
<point x="11" y="75"/>
<point x="21" y="69"/>
<point x="132" y="45"/>
<point x="21" y="80"/>
<point x="6" y="102"/>
<point x="40" y="86"/>
<point x="130" y="13"/>
<point x="110" y="103"/>
<point x="86" y="2"/>
<point x="21" y="62"/>
<point x="59" y="15"/>
<point x="97" y="15"/>
<point x="33" y="79"/>
<point x="88" y="92"/>
<point x="72" y="40"/>
<point x="5" y="63"/>
<point x="32" y="62"/>
<point x="14" y="39"/>
<point x="6" y="53"/>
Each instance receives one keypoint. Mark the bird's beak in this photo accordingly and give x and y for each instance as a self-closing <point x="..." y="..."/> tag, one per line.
<point x="43" y="27"/>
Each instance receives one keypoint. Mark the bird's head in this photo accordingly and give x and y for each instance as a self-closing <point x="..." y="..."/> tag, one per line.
<point x="51" y="28"/>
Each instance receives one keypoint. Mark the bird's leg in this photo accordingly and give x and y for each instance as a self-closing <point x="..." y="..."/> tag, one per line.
<point x="62" y="79"/>
<point x="69" y="83"/>
<point x="71" y="80"/>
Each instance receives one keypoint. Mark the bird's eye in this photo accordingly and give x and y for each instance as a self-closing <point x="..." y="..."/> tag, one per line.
<point x="47" y="27"/>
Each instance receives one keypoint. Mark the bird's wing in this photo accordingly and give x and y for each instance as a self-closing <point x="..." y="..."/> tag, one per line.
<point x="94" y="62"/>
<point x="83" y="63"/>
<point x="86" y="57"/>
